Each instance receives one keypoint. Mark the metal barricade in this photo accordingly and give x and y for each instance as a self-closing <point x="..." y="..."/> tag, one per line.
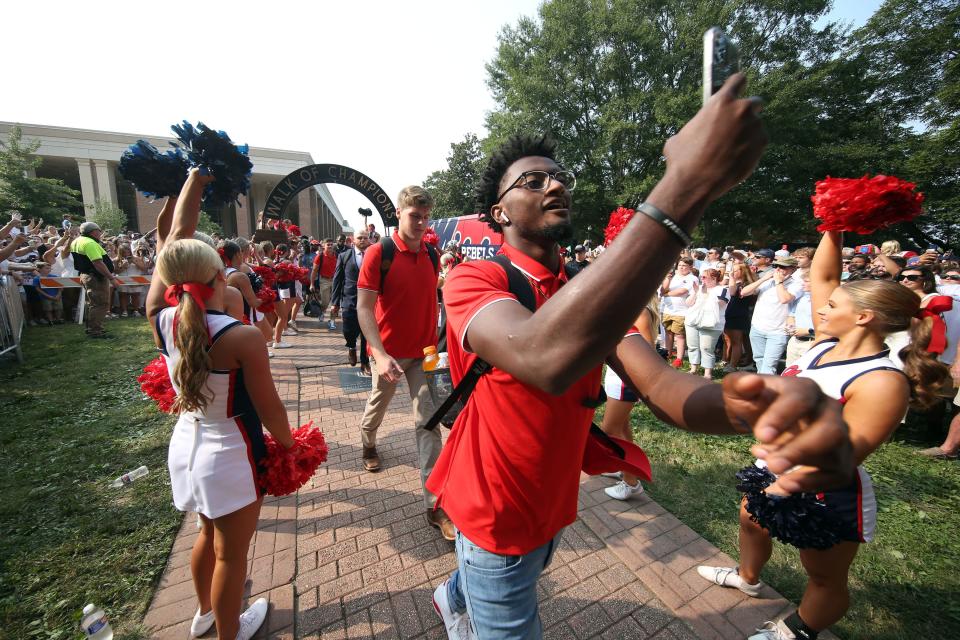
<point x="11" y="317"/>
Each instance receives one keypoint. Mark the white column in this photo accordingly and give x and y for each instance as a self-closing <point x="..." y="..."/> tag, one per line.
<point x="106" y="181"/>
<point x="87" y="189"/>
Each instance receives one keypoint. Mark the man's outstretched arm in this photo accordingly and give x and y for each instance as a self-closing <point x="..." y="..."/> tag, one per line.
<point x="574" y="330"/>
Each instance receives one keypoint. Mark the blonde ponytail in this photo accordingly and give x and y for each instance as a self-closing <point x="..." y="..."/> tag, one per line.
<point x="182" y="262"/>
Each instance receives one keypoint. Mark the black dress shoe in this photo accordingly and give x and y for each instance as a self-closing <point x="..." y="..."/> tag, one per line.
<point x="352" y="357"/>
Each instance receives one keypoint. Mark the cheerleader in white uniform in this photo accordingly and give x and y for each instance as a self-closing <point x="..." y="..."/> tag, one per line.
<point x="220" y="371"/>
<point x="851" y="363"/>
<point x="231" y="255"/>
<point x="620" y="401"/>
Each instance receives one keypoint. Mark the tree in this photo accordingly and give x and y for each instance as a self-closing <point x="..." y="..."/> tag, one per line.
<point x="206" y="224"/>
<point x="109" y="217"/>
<point x="34" y="197"/>
<point x="613" y="80"/>
<point x="453" y="188"/>
<point x="911" y="47"/>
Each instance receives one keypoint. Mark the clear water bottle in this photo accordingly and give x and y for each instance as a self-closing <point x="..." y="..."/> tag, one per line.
<point x="95" y="625"/>
<point x="129" y="477"/>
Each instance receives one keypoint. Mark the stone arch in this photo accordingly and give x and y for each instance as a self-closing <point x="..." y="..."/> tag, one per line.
<point x="298" y="180"/>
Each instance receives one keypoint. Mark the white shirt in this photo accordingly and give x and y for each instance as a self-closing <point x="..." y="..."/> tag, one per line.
<point x="770" y="315"/>
<point x="677" y="305"/>
<point x="358" y="255"/>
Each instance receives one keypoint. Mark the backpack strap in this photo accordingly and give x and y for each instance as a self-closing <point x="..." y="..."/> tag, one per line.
<point x="389" y="249"/>
<point x="518" y="285"/>
<point x="434" y="256"/>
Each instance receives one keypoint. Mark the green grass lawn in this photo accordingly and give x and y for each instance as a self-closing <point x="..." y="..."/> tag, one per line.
<point x="904" y="585"/>
<point x="71" y="420"/>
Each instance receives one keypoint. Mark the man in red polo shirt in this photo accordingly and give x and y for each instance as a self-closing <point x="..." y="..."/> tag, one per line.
<point x="399" y="318"/>
<point x="509" y="473"/>
<point x="321" y="276"/>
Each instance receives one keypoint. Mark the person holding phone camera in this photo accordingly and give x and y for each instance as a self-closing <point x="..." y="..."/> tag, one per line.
<point x="509" y="473"/>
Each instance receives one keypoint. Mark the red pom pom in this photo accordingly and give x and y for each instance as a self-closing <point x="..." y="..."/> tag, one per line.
<point x="618" y="221"/>
<point x="294" y="230"/>
<point x="286" y="470"/>
<point x="430" y="237"/>
<point x="266" y="275"/>
<point x="155" y="383"/>
<point x="863" y="205"/>
<point x="303" y="275"/>
<point x="266" y="296"/>
<point x="286" y="271"/>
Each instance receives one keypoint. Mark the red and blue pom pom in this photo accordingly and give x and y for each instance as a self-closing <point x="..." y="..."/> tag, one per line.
<point x="283" y="471"/>
<point x="863" y="205"/>
<point x="155" y="383"/>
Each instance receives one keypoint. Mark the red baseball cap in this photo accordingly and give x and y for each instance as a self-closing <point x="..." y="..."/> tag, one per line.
<point x="606" y="454"/>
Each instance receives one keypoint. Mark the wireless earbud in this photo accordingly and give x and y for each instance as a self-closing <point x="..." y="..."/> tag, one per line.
<point x="504" y="219"/>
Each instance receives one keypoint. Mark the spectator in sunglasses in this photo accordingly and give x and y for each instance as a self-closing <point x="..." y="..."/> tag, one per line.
<point x="920" y="280"/>
<point x="950" y="285"/>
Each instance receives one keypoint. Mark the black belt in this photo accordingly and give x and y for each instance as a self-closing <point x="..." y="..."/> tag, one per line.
<point x="804" y="338"/>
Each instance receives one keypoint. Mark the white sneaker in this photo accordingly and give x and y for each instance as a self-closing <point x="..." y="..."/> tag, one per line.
<point x="270" y="353"/>
<point x="729" y="577"/>
<point x="269" y="343"/>
<point x="623" y="491"/>
<point x="773" y="631"/>
<point x="201" y="623"/>
<point x="457" y="624"/>
<point x="332" y="325"/>
<point x="282" y="345"/>
<point x="289" y="332"/>
<point x="252" y="618"/>
<point x="616" y="475"/>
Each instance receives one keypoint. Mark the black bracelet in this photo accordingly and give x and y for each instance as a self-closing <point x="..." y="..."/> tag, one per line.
<point x="665" y="221"/>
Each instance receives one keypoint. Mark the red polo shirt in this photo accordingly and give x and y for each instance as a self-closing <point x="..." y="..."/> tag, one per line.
<point x="327" y="264"/>
<point x="509" y="474"/>
<point x="406" y="309"/>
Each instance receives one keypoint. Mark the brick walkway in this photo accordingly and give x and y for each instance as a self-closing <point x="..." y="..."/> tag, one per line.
<point x="351" y="555"/>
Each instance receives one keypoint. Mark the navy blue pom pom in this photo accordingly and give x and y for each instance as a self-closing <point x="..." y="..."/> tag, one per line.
<point x="155" y="174"/>
<point x="214" y="151"/>
<point x="801" y="520"/>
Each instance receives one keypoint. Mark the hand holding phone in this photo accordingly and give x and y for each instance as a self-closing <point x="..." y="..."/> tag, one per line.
<point x="720" y="61"/>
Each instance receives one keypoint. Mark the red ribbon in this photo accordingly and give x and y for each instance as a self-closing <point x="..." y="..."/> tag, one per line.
<point x="223" y="255"/>
<point x="938" y="333"/>
<point x="198" y="291"/>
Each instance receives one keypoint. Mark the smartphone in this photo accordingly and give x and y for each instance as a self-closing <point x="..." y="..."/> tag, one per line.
<point x="720" y="60"/>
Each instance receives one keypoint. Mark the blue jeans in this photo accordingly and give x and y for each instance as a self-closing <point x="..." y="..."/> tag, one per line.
<point x="767" y="349"/>
<point x="499" y="592"/>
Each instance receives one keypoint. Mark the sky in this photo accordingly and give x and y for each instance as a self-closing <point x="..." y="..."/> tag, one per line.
<point x="381" y="86"/>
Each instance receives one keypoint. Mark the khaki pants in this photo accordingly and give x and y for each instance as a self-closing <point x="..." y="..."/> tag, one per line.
<point x="326" y="292"/>
<point x="98" y="301"/>
<point x="796" y="348"/>
<point x="428" y="442"/>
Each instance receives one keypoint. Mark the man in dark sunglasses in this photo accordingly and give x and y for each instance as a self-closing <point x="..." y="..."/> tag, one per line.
<point x="509" y="473"/>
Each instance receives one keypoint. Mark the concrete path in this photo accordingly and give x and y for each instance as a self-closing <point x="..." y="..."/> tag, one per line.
<point x="351" y="554"/>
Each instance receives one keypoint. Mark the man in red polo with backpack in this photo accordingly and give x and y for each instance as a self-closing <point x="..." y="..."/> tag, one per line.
<point x="397" y="309"/>
<point x="321" y="277"/>
<point x="509" y="473"/>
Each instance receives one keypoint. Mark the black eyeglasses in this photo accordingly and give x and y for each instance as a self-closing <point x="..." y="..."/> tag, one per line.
<point x="911" y="278"/>
<point x="540" y="181"/>
<point x="955" y="277"/>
